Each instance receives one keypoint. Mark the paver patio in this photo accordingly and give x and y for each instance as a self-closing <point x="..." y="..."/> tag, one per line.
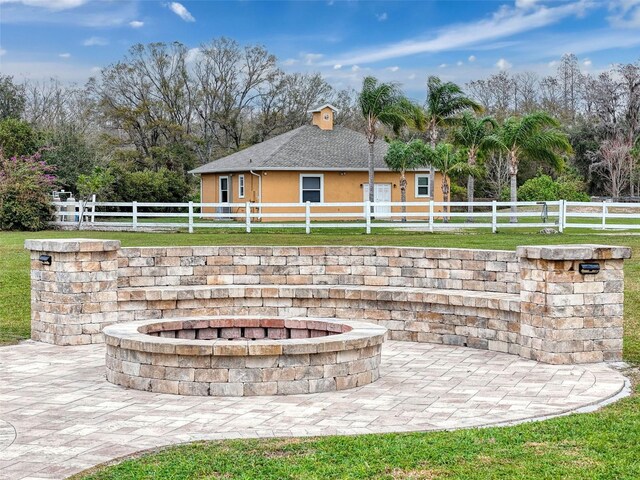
<point x="58" y="414"/>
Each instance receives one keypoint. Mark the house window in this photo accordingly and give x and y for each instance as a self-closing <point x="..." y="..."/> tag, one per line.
<point x="312" y="188"/>
<point x="422" y="186"/>
<point x="241" y="186"/>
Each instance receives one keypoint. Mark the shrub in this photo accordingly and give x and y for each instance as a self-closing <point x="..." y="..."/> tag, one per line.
<point x="544" y="188"/>
<point x="25" y="186"/>
<point x="17" y="138"/>
<point x="150" y="186"/>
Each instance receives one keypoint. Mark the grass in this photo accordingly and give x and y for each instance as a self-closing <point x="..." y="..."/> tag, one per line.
<point x="600" y="445"/>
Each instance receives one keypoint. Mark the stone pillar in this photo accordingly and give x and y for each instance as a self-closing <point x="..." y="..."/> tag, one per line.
<point x="568" y="316"/>
<point x="76" y="296"/>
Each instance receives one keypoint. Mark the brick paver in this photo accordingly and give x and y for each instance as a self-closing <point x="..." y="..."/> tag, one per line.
<point x="67" y="417"/>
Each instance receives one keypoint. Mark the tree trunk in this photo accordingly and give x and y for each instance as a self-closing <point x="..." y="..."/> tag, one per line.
<point x="371" y="174"/>
<point x="513" y="173"/>
<point x="433" y="135"/>
<point x="403" y="194"/>
<point x="471" y="181"/>
<point x="445" y="198"/>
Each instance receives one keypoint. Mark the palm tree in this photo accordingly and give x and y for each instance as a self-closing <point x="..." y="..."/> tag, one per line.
<point x="450" y="162"/>
<point x="403" y="156"/>
<point x="476" y="136"/>
<point x="536" y="136"/>
<point x="444" y="101"/>
<point x="384" y="104"/>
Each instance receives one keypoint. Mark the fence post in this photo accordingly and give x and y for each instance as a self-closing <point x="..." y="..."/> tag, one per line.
<point x="79" y="208"/>
<point x="190" y="217"/>
<point x="604" y="214"/>
<point x="247" y="212"/>
<point x="134" y="215"/>
<point x="563" y="214"/>
<point x="367" y="216"/>
<point x="307" y="217"/>
<point x="93" y="208"/>
<point x="494" y="216"/>
<point x="431" y="215"/>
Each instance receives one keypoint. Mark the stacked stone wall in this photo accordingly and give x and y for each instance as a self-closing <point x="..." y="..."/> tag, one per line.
<point x="534" y="302"/>
<point x="445" y="268"/>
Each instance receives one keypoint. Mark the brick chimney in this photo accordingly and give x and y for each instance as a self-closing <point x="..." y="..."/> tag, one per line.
<point x="323" y="116"/>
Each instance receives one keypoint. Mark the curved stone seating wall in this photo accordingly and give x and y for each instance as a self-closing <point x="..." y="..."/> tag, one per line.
<point x="483" y="320"/>
<point x="444" y="268"/>
<point x="308" y="356"/>
<point x="534" y="302"/>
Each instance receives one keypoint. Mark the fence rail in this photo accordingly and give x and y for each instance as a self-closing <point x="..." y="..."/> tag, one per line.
<point x="427" y="215"/>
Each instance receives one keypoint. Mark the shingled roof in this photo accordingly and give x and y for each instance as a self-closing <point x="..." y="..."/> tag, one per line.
<point x="305" y="148"/>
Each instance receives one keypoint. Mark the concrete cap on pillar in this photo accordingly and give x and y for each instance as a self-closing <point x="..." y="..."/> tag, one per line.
<point x="67" y="245"/>
<point x="574" y="252"/>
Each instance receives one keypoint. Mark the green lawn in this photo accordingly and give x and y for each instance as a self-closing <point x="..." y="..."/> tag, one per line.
<point x="600" y="445"/>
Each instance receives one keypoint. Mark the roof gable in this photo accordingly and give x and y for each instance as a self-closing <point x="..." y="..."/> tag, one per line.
<point x="322" y="107"/>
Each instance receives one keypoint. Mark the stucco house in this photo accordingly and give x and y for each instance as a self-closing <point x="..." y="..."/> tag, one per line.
<point x="321" y="162"/>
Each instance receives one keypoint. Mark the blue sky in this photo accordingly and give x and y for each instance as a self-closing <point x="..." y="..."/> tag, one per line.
<point x="344" y="40"/>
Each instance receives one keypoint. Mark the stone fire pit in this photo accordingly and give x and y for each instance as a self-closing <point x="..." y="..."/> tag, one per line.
<point x="239" y="356"/>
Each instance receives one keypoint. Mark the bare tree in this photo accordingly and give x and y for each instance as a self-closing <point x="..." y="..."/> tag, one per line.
<point x="145" y="99"/>
<point x="615" y="162"/>
<point x="481" y="91"/>
<point x="526" y="92"/>
<point x="551" y="95"/>
<point x="569" y="78"/>
<point x="52" y="105"/>
<point x="503" y="88"/>
<point x="286" y="102"/>
<point x="497" y="168"/>
<point x="230" y="80"/>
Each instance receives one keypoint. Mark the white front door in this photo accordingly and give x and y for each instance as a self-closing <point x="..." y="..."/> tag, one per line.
<point x="381" y="193"/>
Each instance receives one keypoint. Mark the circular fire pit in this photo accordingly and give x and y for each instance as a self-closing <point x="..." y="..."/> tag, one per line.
<point x="236" y="356"/>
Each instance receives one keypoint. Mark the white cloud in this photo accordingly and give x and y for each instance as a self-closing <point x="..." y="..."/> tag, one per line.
<point x="65" y="55"/>
<point x="472" y="58"/>
<point x="337" y="66"/>
<point x="443" y="65"/>
<point x="62" y="70"/>
<point x="192" y="55"/>
<point x="526" y="4"/>
<point x="181" y="11"/>
<point x="412" y="76"/>
<point x="505" y="22"/>
<point x="393" y="69"/>
<point x="95" y="42"/>
<point x="382" y="16"/>
<point x="100" y="14"/>
<point x="289" y="62"/>
<point x="459" y="63"/>
<point x="355" y="68"/>
<point x="311" y="58"/>
<point x="596" y="41"/>
<point x="587" y="62"/>
<point x="3" y="52"/>
<point x="553" y="63"/>
<point x="49" y="4"/>
<point x="624" y="13"/>
<point x="502" y="64"/>
<point x="136" y="24"/>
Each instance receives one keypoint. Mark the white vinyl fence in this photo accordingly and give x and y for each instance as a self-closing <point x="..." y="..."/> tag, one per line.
<point x="428" y="216"/>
